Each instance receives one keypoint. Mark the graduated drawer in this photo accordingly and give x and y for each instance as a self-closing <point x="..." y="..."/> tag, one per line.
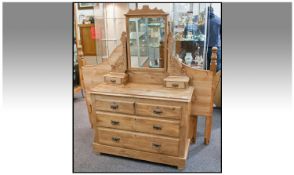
<point x="115" y="106"/>
<point x="165" y="111"/>
<point x="140" y="124"/>
<point x="138" y="141"/>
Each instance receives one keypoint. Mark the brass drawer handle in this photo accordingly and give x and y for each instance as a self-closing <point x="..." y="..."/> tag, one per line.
<point x="113" y="81"/>
<point x="113" y="122"/>
<point x="157" y="111"/>
<point x="115" y="139"/>
<point x="155" y="145"/>
<point x="114" y="106"/>
<point x="156" y="127"/>
<point x="175" y="85"/>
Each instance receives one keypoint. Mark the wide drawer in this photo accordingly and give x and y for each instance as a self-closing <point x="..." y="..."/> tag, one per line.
<point x="153" y="110"/>
<point x="138" y="141"/>
<point x="140" y="124"/>
<point x="116" y="106"/>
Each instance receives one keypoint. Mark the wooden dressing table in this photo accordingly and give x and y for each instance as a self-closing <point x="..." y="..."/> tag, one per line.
<point x="143" y="110"/>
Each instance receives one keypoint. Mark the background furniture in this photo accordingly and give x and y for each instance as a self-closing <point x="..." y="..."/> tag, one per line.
<point x="88" y="43"/>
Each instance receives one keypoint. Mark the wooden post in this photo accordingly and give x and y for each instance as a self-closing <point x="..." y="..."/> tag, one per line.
<point x="213" y="62"/>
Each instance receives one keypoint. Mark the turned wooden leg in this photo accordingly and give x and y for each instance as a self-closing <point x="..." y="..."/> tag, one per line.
<point x="207" y="132"/>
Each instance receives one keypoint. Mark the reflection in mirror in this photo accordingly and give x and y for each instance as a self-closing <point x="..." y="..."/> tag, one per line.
<point x="146" y="41"/>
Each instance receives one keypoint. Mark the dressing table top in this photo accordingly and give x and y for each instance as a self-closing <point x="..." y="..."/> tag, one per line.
<point x="150" y="91"/>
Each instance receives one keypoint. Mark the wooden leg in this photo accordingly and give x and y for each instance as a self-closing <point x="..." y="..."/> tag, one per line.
<point x="207" y="132"/>
<point x="194" y="129"/>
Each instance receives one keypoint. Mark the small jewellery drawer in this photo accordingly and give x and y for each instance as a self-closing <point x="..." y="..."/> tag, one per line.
<point x="154" y="110"/>
<point x="180" y="82"/>
<point x="138" y="141"/>
<point x="140" y="124"/>
<point x="171" y="84"/>
<point x="118" y="121"/>
<point x="115" y="78"/>
<point x="116" y="106"/>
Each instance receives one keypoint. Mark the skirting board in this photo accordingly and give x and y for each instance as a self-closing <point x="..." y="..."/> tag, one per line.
<point x="152" y="157"/>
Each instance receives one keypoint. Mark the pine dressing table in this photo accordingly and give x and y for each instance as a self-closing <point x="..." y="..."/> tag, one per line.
<point x="148" y="104"/>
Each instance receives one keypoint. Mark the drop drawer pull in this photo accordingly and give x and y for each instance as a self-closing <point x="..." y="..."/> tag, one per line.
<point x="112" y="81"/>
<point x="156" y="127"/>
<point x="156" y="145"/>
<point x="114" y="106"/>
<point x="113" y="122"/>
<point x="157" y="111"/>
<point x="115" y="139"/>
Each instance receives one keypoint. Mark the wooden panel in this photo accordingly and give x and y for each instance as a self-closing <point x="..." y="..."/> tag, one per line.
<point x="202" y="81"/>
<point x="157" y="126"/>
<point x="88" y="44"/>
<point x="93" y="75"/>
<point x="154" y="110"/>
<point x="147" y="77"/>
<point x="115" y="106"/>
<point x="138" y="141"/>
<point x="118" y="121"/>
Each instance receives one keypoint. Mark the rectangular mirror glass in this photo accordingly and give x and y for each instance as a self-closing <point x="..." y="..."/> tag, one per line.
<point x="146" y="41"/>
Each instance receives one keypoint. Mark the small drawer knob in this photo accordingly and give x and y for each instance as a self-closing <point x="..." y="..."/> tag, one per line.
<point x="157" y="127"/>
<point x="113" y="122"/>
<point x="115" y="139"/>
<point x="155" y="145"/>
<point x="114" y="105"/>
<point x="157" y="111"/>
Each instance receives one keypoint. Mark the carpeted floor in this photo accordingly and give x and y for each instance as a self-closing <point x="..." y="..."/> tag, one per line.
<point x="202" y="158"/>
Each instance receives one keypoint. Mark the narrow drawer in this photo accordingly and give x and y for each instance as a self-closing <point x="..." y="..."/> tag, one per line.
<point x="157" y="126"/>
<point x="115" y="78"/>
<point x="153" y="110"/>
<point x="179" y="82"/>
<point x="138" y="141"/>
<point x="179" y="85"/>
<point x="117" y="121"/>
<point x="116" y="106"/>
<point x="112" y="80"/>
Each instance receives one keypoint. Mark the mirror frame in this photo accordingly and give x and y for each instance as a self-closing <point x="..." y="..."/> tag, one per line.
<point x="146" y="12"/>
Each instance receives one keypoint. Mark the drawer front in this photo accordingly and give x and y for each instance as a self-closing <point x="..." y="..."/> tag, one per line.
<point x="140" y="124"/>
<point x="115" y="106"/>
<point x="179" y="85"/>
<point x="142" y="142"/>
<point x="117" y="121"/>
<point x="155" y="126"/>
<point x="146" y="109"/>
<point x="112" y="80"/>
